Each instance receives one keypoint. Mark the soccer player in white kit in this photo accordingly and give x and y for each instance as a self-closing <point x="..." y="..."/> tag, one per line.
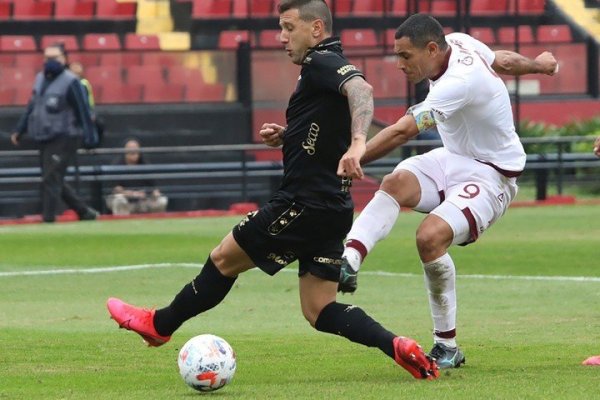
<point x="464" y="186"/>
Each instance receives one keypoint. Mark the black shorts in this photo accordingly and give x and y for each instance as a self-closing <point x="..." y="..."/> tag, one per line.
<point x="282" y="232"/>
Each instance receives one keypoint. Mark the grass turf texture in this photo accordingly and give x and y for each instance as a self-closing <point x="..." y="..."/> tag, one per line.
<point x="524" y="339"/>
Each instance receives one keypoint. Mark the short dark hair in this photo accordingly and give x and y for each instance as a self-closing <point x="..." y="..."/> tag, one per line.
<point x="422" y="29"/>
<point x="309" y="11"/>
<point x="60" y="46"/>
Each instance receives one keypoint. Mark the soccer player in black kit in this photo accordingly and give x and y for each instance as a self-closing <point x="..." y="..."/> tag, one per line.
<point x="309" y="216"/>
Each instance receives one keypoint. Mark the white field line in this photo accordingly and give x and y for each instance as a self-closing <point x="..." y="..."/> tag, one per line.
<point x="100" y="270"/>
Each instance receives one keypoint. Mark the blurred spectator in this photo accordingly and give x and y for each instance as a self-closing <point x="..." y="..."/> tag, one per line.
<point x="135" y="196"/>
<point x="57" y="118"/>
<point x="77" y="68"/>
<point x="597" y="146"/>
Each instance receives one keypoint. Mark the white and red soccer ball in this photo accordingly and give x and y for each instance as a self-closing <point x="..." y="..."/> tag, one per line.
<point x="206" y="362"/>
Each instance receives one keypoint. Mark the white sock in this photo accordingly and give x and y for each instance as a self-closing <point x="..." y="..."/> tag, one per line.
<point x="440" y="278"/>
<point x="372" y="225"/>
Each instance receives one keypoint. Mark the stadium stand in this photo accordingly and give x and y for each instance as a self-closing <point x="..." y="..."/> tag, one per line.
<point x="74" y="9"/>
<point x="69" y="41"/>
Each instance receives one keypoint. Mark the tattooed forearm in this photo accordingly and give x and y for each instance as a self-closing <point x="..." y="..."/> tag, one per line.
<point x="360" y="101"/>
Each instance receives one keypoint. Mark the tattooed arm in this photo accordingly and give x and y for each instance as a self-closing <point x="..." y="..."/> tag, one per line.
<point x="360" y="102"/>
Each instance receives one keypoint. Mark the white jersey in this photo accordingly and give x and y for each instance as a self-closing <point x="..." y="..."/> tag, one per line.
<point x="471" y="107"/>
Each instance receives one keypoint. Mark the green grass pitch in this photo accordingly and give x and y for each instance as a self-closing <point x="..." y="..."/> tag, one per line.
<point x="524" y="327"/>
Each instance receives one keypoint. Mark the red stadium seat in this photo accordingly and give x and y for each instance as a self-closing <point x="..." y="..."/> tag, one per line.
<point x="32" y="60"/>
<point x="211" y="9"/>
<point x="32" y="9"/>
<point x="7" y="96"/>
<point x="232" y="39"/>
<point x="134" y="41"/>
<point x="204" y="92"/>
<point x="368" y="8"/>
<point x="104" y="75"/>
<point x="506" y="34"/>
<point x="87" y="58"/>
<point x="262" y="8"/>
<point x="270" y="39"/>
<point x="23" y="94"/>
<point x="17" y="77"/>
<point x="341" y="8"/>
<point x="485" y="35"/>
<point x="17" y="43"/>
<point x="162" y="58"/>
<point x="101" y="41"/>
<point x="398" y="7"/>
<point x="145" y="75"/>
<point x="489" y="7"/>
<point x="527" y="6"/>
<point x="163" y="93"/>
<point x="74" y="9"/>
<point x="184" y="76"/>
<point x="385" y="77"/>
<point x="6" y="60"/>
<point x="5" y="11"/>
<point x="120" y="93"/>
<point x="358" y="38"/>
<point x="121" y="58"/>
<point x="69" y="41"/>
<point x="554" y="34"/>
<point x="443" y="7"/>
<point x="114" y="9"/>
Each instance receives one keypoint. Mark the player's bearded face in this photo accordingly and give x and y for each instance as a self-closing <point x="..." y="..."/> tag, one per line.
<point x="414" y="62"/>
<point x="296" y="35"/>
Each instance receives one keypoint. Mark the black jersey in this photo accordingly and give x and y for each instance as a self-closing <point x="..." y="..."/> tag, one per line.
<point x="318" y="130"/>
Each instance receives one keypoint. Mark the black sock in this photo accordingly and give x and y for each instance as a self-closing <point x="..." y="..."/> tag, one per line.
<point x="205" y="291"/>
<point x="354" y="324"/>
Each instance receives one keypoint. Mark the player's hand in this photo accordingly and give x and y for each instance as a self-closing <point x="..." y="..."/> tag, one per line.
<point x="597" y="146"/>
<point x="14" y="138"/>
<point x="547" y="62"/>
<point x="349" y="165"/>
<point x="272" y="134"/>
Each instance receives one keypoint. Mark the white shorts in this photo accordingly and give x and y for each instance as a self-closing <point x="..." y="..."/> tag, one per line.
<point x="469" y="195"/>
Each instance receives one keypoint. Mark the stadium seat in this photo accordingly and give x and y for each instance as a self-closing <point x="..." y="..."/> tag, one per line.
<point x="134" y="41"/>
<point x="232" y="39"/>
<point x="5" y="11"/>
<point x="489" y="7"/>
<point x="341" y="8"/>
<point x="17" y="43"/>
<point x="120" y="93"/>
<point x="527" y="6"/>
<point x="74" y="9"/>
<point x="397" y="7"/>
<point x="68" y="41"/>
<point x="101" y="41"/>
<point x="262" y="8"/>
<point x="443" y="7"/>
<point x="184" y="76"/>
<point x="485" y="35"/>
<point x="16" y="77"/>
<point x="120" y="58"/>
<point x="554" y="34"/>
<point x="7" y="96"/>
<point x="32" y="9"/>
<point x="205" y="9"/>
<point x="145" y="75"/>
<point x="204" y="92"/>
<point x="270" y="39"/>
<point x="163" y="93"/>
<point x="104" y="75"/>
<point x="7" y="60"/>
<point x="506" y="34"/>
<point x="161" y="58"/>
<point x="23" y="94"/>
<point x="368" y="8"/>
<point x="87" y="58"/>
<point x="358" y="38"/>
<point x="385" y="77"/>
<point x="33" y="60"/>
<point x="115" y="9"/>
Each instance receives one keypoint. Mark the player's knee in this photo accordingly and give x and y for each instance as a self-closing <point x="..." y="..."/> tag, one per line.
<point x="310" y="316"/>
<point x="430" y="242"/>
<point x="402" y="187"/>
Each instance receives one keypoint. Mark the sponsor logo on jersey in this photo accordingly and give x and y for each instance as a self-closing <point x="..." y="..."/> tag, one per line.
<point x="311" y="139"/>
<point x="345" y="69"/>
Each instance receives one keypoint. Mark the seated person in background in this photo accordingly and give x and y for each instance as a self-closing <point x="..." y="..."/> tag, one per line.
<point x="135" y="196"/>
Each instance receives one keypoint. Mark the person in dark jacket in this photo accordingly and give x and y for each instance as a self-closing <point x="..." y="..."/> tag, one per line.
<point x="135" y="196"/>
<point x="58" y="119"/>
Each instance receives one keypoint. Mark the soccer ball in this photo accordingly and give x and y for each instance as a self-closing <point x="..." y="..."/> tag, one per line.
<point x="206" y="363"/>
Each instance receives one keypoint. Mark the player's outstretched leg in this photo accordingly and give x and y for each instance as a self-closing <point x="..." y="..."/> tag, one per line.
<point x="136" y="319"/>
<point x="409" y="355"/>
<point x="447" y="357"/>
